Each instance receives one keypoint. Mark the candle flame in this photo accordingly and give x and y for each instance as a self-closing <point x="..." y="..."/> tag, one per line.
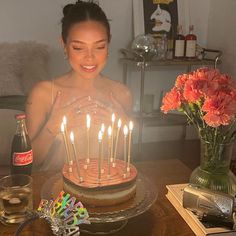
<point x="131" y="125"/>
<point x="103" y="127"/>
<point x="125" y="130"/>
<point x="109" y="131"/>
<point x="119" y="123"/>
<point x="62" y="127"/>
<point x="64" y="120"/>
<point x="88" y="120"/>
<point x="72" y="138"/>
<point x="113" y="117"/>
<point x="99" y="135"/>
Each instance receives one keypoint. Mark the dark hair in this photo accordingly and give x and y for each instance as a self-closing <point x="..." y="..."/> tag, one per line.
<point x="82" y="11"/>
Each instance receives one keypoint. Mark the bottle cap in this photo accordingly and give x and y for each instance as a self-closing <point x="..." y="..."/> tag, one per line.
<point x="20" y="116"/>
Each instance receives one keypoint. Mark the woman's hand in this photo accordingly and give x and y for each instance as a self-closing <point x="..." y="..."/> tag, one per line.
<point x="77" y="109"/>
<point x="75" y="112"/>
<point x="103" y="111"/>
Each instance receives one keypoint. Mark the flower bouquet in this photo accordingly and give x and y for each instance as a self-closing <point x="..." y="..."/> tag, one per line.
<point x="208" y="99"/>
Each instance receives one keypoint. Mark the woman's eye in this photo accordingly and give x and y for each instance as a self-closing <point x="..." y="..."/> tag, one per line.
<point x="78" y="49"/>
<point x="101" y="47"/>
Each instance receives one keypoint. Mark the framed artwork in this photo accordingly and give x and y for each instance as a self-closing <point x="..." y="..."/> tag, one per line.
<point x="155" y="17"/>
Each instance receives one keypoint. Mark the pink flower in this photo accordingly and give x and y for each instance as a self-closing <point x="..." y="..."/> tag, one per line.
<point x="171" y="101"/>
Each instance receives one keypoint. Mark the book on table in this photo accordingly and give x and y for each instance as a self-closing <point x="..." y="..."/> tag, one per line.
<point x="175" y="196"/>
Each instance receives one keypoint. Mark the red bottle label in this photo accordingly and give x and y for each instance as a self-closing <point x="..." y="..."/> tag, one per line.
<point x="22" y="158"/>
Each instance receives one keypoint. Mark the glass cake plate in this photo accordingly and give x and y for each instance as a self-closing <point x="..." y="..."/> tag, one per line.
<point x="109" y="219"/>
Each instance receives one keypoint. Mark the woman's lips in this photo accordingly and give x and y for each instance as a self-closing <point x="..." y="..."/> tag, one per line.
<point x="89" y="68"/>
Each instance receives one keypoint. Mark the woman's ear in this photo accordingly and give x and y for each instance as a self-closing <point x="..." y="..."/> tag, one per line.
<point x="63" y="47"/>
<point x="61" y="42"/>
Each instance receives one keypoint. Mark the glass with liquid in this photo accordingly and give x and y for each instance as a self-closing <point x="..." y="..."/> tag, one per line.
<point x="16" y="202"/>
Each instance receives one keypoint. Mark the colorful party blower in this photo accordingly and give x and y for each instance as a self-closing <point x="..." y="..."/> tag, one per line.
<point x="64" y="214"/>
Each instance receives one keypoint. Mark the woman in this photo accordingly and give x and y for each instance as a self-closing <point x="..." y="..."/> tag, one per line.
<point x="83" y="90"/>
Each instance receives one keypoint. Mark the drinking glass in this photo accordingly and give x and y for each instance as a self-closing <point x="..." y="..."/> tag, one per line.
<point x="16" y="202"/>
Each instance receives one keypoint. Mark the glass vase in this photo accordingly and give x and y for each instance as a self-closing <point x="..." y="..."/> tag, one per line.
<point x="214" y="170"/>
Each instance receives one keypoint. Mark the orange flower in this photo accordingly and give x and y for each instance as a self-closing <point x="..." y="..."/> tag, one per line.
<point x="215" y="120"/>
<point x="180" y="81"/>
<point x="194" y="87"/>
<point x="171" y="100"/>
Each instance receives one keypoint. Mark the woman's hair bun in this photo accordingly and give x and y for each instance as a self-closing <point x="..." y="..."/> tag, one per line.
<point x="67" y="8"/>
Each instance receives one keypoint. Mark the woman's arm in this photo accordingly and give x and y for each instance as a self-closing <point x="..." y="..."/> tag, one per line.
<point x="37" y="109"/>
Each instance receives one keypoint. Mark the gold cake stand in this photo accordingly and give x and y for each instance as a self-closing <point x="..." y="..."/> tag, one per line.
<point x="110" y="219"/>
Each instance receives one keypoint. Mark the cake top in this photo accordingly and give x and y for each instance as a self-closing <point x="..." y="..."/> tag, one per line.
<point x="90" y="175"/>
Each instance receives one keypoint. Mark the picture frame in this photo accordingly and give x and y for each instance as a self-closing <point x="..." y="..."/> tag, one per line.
<point x="144" y="9"/>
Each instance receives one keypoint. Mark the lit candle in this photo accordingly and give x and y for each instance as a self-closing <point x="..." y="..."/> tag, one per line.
<point x="102" y="151"/>
<point x="64" y="120"/>
<point x="113" y="118"/>
<point x="64" y="138"/>
<point x="72" y="139"/>
<point x="131" y="126"/>
<point x="117" y="138"/>
<point x="99" y="155"/>
<point x="88" y="118"/>
<point x="109" y="148"/>
<point x="125" y="149"/>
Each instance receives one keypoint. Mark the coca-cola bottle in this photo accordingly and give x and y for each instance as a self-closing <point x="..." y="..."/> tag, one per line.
<point x="21" y="150"/>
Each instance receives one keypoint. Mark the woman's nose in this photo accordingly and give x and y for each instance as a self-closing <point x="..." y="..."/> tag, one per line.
<point x="89" y="53"/>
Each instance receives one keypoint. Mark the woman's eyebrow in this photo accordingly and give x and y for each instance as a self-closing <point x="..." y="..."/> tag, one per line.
<point x="78" y="41"/>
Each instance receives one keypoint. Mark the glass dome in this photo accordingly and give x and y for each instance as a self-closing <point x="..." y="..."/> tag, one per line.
<point x="144" y="46"/>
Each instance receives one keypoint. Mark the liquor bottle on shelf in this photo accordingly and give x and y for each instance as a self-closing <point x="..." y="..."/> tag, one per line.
<point x="179" y="43"/>
<point x="190" y="44"/>
<point x="21" y="150"/>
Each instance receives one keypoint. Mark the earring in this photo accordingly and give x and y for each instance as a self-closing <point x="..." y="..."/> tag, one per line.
<point x="65" y="55"/>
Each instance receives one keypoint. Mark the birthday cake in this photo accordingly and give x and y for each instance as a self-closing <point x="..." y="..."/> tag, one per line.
<point x="113" y="186"/>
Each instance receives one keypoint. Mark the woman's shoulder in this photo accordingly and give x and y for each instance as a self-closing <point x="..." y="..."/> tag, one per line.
<point x="41" y="88"/>
<point x="45" y="87"/>
<point x="116" y="85"/>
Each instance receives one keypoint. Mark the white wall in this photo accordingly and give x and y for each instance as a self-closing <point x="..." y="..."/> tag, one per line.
<point x="222" y="32"/>
<point x="40" y="21"/>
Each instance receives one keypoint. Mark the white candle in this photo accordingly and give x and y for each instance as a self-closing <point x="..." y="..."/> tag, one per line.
<point x="64" y="120"/>
<point x="117" y="139"/>
<point x="102" y="151"/>
<point x="113" y="118"/>
<point x="72" y="139"/>
<point x="99" y="155"/>
<point x="125" y="149"/>
<point x="64" y="138"/>
<point x="131" y="126"/>
<point x="109" y="148"/>
<point x="88" y="124"/>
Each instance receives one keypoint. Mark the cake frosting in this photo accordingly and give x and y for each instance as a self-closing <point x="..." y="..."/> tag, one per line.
<point x="114" y="186"/>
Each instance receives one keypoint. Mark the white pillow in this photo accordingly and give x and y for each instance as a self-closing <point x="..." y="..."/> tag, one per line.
<point x="9" y="70"/>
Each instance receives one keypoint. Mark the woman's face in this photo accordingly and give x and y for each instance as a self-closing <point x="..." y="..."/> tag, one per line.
<point x="87" y="48"/>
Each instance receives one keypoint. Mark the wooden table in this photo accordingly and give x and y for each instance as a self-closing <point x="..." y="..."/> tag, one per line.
<point x="160" y="220"/>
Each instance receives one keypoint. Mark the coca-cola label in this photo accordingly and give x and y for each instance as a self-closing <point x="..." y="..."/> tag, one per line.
<point x="22" y="158"/>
